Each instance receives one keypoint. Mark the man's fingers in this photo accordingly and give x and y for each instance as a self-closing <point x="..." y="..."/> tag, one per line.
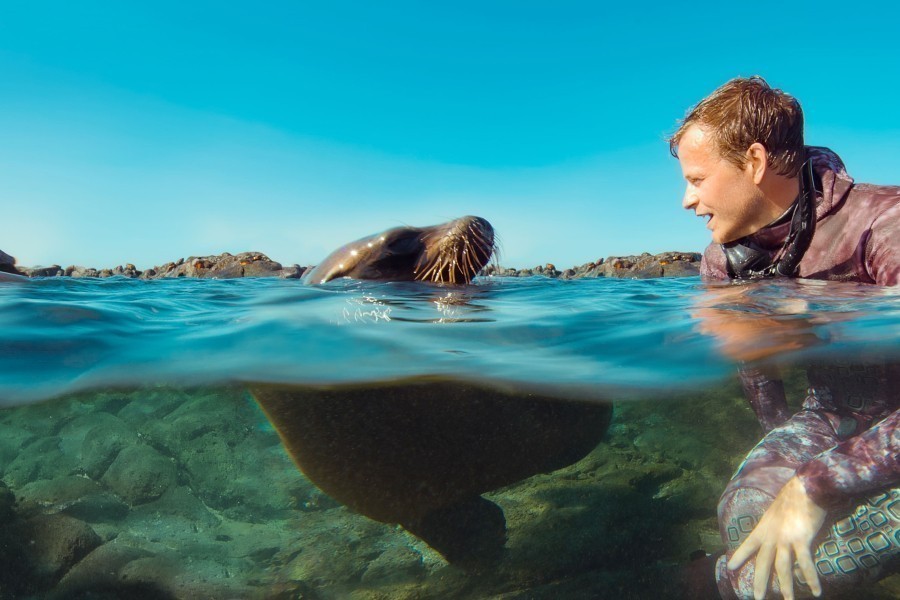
<point x="784" y="568"/>
<point x="763" y="569"/>
<point x="808" y="568"/>
<point x="744" y="551"/>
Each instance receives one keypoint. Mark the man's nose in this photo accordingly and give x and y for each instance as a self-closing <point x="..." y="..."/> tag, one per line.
<point x="689" y="202"/>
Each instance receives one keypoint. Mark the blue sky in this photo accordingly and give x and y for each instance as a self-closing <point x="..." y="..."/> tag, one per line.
<point x="145" y="132"/>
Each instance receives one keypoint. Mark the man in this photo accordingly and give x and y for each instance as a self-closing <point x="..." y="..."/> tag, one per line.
<point x="778" y="208"/>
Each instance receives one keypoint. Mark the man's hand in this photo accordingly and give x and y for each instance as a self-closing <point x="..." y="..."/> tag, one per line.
<point x="787" y="528"/>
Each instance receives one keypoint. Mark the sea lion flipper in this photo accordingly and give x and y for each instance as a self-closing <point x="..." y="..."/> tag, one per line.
<point x="470" y="534"/>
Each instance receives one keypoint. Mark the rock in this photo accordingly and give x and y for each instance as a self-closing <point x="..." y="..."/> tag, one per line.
<point x="80" y="272"/>
<point x="73" y="432"/>
<point x="222" y="266"/>
<point x="394" y="565"/>
<point x="7" y="504"/>
<point x="667" y="264"/>
<point x="97" y="507"/>
<point x="257" y="264"/>
<point x="56" y="543"/>
<point x="140" y="474"/>
<point x="99" y="570"/>
<point x="200" y="579"/>
<point x="41" y="459"/>
<point x="101" y="445"/>
<point x="293" y="272"/>
<point x="8" y="264"/>
<point x="12" y="440"/>
<point x="57" y="493"/>
<point x="51" y="271"/>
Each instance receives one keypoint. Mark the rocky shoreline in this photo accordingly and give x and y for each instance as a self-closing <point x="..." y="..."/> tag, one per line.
<point x="257" y="264"/>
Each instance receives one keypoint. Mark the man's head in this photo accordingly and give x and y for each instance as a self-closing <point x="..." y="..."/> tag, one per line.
<point x="741" y="150"/>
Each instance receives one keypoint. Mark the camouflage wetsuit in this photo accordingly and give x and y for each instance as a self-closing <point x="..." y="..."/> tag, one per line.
<point x="844" y="444"/>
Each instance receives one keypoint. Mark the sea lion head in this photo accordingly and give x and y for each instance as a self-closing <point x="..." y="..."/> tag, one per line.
<point x="452" y="252"/>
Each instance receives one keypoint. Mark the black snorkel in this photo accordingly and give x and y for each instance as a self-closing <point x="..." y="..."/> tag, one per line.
<point x="746" y="260"/>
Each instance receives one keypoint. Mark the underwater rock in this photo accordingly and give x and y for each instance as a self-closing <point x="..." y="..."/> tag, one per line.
<point x="396" y="564"/>
<point x="214" y="440"/>
<point x="42" y="459"/>
<point x="179" y="505"/>
<point x="7" y="503"/>
<point x="199" y="579"/>
<point x="140" y="474"/>
<point x="99" y="571"/>
<point x="56" y="543"/>
<point x="12" y="440"/>
<point x="57" y="493"/>
<point x="102" y="444"/>
<point x="99" y="507"/>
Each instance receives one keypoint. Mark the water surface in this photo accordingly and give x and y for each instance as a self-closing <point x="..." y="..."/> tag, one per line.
<point x="129" y="418"/>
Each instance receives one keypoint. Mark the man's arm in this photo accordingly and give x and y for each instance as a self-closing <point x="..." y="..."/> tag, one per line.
<point x="764" y="390"/>
<point x="863" y="464"/>
<point x="883" y="247"/>
<point x="855" y="467"/>
<point x="712" y="265"/>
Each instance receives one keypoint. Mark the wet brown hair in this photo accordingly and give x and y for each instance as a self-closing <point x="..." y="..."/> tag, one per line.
<point x="745" y="111"/>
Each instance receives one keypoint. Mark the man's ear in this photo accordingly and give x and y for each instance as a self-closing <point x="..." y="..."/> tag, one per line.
<point x="757" y="161"/>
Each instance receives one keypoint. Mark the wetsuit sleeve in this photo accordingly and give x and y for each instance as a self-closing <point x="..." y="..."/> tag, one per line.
<point x="765" y="393"/>
<point x="712" y="265"/>
<point x="862" y="464"/>
<point x="883" y="248"/>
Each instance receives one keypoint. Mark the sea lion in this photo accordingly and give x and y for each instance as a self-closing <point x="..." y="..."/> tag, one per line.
<point x="421" y="452"/>
<point x="452" y="252"/>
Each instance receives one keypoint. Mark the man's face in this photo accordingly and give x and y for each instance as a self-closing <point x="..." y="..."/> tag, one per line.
<point x="718" y="190"/>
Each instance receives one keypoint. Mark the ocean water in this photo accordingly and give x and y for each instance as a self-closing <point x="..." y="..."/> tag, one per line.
<point x="152" y="427"/>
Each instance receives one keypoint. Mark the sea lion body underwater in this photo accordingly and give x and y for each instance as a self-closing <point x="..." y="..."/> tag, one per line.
<point x="420" y="453"/>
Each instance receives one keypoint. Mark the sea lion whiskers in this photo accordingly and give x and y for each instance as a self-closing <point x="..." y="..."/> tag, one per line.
<point x="452" y="252"/>
<point x="462" y="251"/>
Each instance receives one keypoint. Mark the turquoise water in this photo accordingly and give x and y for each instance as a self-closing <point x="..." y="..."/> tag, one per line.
<point x="587" y="338"/>
<point x="141" y="465"/>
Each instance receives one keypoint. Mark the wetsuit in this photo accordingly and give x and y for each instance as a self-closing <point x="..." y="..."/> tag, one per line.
<point x="844" y="444"/>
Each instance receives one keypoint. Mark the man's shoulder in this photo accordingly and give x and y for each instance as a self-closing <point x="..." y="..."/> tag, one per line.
<point x="874" y="203"/>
